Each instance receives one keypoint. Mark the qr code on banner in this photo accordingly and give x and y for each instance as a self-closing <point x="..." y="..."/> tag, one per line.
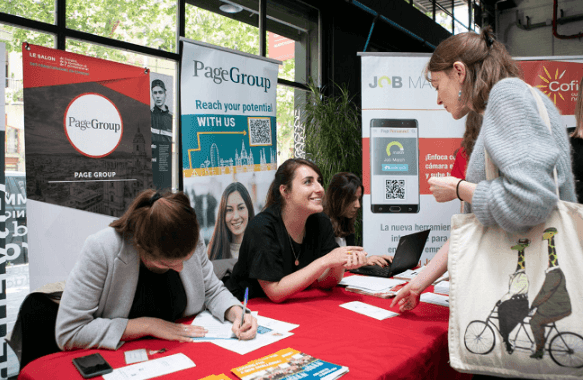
<point x="259" y="131"/>
<point x="395" y="189"/>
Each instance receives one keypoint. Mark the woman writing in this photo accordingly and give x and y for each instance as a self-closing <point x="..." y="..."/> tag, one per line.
<point x="235" y="212"/>
<point x="135" y="278"/>
<point x="473" y="72"/>
<point x="343" y="200"/>
<point x="290" y="245"/>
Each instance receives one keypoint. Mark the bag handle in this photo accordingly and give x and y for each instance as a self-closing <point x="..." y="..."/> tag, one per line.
<point x="491" y="169"/>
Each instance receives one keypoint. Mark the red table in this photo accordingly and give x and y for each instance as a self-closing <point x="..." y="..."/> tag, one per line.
<point x="410" y="346"/>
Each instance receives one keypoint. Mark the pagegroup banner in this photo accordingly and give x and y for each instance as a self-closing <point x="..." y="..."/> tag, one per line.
<point x="228" y="126"/>
<point x="87" y="130"/>
<point x="407" y="138"/>
<point x="3" y="253"/>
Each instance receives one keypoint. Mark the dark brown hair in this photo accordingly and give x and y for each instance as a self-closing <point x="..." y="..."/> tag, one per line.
<point x="284" y="176"/>
<point x="219" y="245"/>
<point x="340" y="194"/>
<point x="473" y="126"/>
<point x="486" y="61"/>
<point x="578" y="132"/>
<point x="160" y="225"/>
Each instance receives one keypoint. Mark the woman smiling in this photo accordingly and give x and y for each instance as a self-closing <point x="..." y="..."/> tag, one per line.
<point x="235" y="212"/>
<point x="290" y="245"/>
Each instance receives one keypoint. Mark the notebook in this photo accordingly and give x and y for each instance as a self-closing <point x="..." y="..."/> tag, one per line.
<point x="407" y="256"/>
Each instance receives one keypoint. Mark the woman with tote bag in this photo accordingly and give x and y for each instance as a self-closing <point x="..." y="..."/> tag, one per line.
<point x="518" y="173"/>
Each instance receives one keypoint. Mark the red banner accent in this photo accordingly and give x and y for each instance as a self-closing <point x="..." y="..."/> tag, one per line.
<point x="559" y="80"/>
<point x="280" y="48"/>
<point x="62" y="67"/>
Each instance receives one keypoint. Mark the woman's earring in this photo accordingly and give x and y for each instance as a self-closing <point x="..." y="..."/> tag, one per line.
<point x="459" y="96"/>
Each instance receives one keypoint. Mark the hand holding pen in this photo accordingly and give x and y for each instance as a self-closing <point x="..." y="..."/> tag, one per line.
<point x="245" y="324"/>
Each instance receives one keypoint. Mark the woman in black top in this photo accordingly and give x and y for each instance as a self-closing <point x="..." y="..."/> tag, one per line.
<point x="343" y="200"/>
<point x="290" y="245"/>
<point x="576" y="139"/>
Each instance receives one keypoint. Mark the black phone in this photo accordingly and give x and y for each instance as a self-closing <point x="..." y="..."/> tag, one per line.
<point x="394" y="166"/>
<point x="92" y="365"/>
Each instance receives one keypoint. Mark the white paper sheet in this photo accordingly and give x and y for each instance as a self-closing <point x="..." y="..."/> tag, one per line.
<point x="274" y="324"/>
<point x="136" y="356"/>
<point x="436" y="299"/>
<point x="370" y="283"/>
<point x="151" y="368"/>
<point x="216" y="328"/>
<point x="369" y="310"/>
<point x="245" y="346"/>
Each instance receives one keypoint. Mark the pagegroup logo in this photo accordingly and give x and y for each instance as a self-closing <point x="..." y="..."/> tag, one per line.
<point x="93" y="125"/>
<point x="219" y="75"/>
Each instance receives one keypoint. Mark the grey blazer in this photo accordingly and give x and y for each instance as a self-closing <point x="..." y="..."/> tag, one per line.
<point x="101" y="287"/>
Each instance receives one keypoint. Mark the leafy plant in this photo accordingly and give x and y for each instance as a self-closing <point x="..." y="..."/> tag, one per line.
<point x="333" y="134"/>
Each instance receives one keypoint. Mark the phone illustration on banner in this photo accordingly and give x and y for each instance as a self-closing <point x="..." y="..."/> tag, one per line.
<point x="394" y="165"/>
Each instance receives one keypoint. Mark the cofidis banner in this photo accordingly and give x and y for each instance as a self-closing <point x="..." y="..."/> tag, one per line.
<point x="229" y="145"/>
<point x="87" y="130"/>
<point x="407" y="138"/>
<point x="558" y="78"/>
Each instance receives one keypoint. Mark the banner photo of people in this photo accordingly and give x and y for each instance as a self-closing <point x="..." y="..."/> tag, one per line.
<point x="558" y="78"/>
<point x="161" y="104"/>
<point x="407" y="138"/>
<point x="229" y="141"/>
<point x="87" y="130"/>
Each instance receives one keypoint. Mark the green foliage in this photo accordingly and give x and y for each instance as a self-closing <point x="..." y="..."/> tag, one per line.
<point x="333" y="134"/>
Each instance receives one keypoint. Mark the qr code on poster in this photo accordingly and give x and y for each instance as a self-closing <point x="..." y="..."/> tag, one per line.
<point x="395" y="189"/>
<point x="259" y="131"/>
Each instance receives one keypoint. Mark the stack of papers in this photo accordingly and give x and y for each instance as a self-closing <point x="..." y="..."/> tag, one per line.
<point x="369" y="310"/>
<point x="220" y="334"/>
<point x="443" y="277"/>
<point x="374" y="286"/>
<point x="436" y="299"/>
<point x="289" y="364"/>
<point x="409" y="274"/>
<point x="442" y="287"/>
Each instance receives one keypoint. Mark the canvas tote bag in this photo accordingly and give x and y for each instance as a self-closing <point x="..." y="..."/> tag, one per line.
<point x="509" y="292"/>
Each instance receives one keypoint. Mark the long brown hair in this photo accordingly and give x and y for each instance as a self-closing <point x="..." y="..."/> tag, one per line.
<point x="340" y="194"/>
<point x="160" y="225"/>
<point x="284" y="176"/>
<point x="486" y="61"/>
<point x="578" y="132"/>
<point x="219" y="245"/>
<point x="473" y="126"/>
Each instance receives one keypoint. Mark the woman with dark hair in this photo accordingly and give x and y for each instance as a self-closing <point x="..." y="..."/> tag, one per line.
<point x="290" y="245"/>
<point x="235" y="212"/>
<point x="576" y="139"/>
<point x="474" y="72"/>
<point x="136" y="277"/>
<point x="343" y="200"/>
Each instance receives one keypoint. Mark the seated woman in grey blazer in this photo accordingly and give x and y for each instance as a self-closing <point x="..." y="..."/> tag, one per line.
<point x="136" y="277"/>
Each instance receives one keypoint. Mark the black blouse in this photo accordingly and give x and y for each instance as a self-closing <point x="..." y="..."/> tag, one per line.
<point x="158" y="295"/>
<point x="266" y="251"/>
<point x="577" y="145"/>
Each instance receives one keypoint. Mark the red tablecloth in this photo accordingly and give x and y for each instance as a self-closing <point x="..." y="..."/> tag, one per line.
<point x="410" y="346"/>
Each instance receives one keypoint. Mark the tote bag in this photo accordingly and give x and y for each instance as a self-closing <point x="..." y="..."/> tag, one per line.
<point x="509" y="292"/>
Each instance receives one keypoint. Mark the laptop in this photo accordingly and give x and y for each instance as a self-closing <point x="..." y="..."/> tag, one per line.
<point x="407" y="256"/>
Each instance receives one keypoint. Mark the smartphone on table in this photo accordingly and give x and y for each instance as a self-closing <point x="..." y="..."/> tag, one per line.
<point x="92" y="365"/>
<point x="394" y="165"/>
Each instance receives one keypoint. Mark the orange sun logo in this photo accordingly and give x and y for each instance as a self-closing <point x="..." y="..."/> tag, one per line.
<point x="548" y="80"/>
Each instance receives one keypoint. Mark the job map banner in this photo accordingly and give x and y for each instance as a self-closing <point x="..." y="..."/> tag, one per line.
<point x="228" y="124"/>
<point x="87" y="130"/>
<point x="407" y="138"/>
<point x="558" y="78"/>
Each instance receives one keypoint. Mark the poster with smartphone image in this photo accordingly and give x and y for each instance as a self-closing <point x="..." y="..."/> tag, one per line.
<point x="394" y="163"/>
<point x="407" y="139"/>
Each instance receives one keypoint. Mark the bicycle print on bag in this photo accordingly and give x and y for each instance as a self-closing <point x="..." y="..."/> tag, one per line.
<point x="551" y="304"/>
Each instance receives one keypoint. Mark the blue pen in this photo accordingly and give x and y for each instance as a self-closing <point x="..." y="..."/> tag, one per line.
<point x="244" y="305"/>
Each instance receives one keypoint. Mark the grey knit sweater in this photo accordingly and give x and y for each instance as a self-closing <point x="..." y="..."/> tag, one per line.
<point x="525" y="153"/>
